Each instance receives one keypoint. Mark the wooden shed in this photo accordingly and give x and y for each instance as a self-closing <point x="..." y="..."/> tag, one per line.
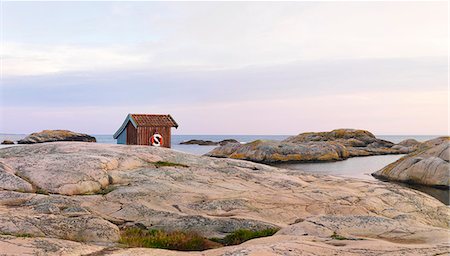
<point x="137" y="129"/>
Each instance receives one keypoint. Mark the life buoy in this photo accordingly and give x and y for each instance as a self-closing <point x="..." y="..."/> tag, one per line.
<point x="156" y="140"/>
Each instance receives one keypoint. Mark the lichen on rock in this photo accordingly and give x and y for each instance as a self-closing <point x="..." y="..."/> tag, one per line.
<point x="336" y="145"/>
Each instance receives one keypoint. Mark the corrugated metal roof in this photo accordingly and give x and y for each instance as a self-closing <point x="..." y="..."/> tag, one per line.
<point x="154" y="120"/>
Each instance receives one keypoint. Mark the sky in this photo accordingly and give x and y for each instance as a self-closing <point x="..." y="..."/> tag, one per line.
<point x="226" y="67"/>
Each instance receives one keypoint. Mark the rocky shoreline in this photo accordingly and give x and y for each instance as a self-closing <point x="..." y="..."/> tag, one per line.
<point x="428" y="165"/>
<point x="64" y="198"/>
<point x="336" y="145"/>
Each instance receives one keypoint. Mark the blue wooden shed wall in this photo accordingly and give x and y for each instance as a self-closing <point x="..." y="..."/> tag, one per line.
<point x="122" y="138"/>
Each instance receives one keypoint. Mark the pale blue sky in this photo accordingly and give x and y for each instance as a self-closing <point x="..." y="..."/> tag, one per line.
<point x="226" y="68"/>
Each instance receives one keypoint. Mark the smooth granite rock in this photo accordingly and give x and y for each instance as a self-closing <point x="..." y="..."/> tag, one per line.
<point x="407" y="146"/>
<point x="56" y="135"/>
<point x="271" y="151"/>
<point x="64" y="212"/>
<point x="10" y="181"/>
<point x="428" y="166"/>
<point x="409" y="143"/>
<point x="19" y="246"/>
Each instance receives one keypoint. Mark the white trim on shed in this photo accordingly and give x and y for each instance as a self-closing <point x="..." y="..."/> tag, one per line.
<point x="124" y="125"/>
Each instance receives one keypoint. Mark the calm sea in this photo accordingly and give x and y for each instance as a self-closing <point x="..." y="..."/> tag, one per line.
<point x="359" y="167"/>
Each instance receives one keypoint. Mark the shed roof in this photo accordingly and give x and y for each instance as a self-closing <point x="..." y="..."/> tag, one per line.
<point x="154" y="120"/>
<point x="146" y="120"/>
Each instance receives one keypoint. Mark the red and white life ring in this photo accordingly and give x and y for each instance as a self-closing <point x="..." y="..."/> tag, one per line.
<point x="156" y="140"/>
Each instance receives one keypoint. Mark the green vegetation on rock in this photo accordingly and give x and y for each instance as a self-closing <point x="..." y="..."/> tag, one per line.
<point x="106" y="190"/>
<point x="166" y="164"/>
<point x="41" y="191"/>
<point x="17" y="235"/>
<point x="242" y="235"/>
<point x="336" y="236"/>
<point x="186" y="241"/>
<point x="176" y="240"/>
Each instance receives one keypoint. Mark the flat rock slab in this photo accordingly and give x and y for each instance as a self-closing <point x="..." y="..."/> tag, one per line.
<point x="18" y="246"/>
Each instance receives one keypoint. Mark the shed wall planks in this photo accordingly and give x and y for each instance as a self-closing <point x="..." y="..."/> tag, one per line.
<point x="131" y="134"/>
<point x="144" y="134"/>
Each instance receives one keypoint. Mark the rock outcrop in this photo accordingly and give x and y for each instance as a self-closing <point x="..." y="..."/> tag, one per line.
<point x="429" y="165"/>
<point x="56" y="135"/>
<point x="208" y="142"/>
<point x="269" y="151"/>
<point x="64" y="198"/>
<point x="357" y="142"/>
<point x="199" y="142"/>
<point x="7" y="142"/>
<point x="407" y="146"/>
<point x="312" y="146"/>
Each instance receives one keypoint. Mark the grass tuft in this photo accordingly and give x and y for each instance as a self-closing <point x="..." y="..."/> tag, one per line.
<point x="164" y="164"/>
<point x="41" y="191"/>
<point x="23" y="235"/>
<point x="176" y="240"/>
<point x="186" y="241"/>
<point x="16" y="235"/>
<point x="106" y="190"/>
<point x="335" y="236"/>
<point x="242" y="235"/>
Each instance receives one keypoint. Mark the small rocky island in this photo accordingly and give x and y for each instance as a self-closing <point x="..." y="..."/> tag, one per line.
<point x="70" y="198"/>
<point x="56" y="135"/>
<point x="208" y="142"/>
<point x="336" y="145"/>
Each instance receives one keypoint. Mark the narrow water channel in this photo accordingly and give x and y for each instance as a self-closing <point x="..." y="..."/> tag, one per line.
<point x="361" y="168"/>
